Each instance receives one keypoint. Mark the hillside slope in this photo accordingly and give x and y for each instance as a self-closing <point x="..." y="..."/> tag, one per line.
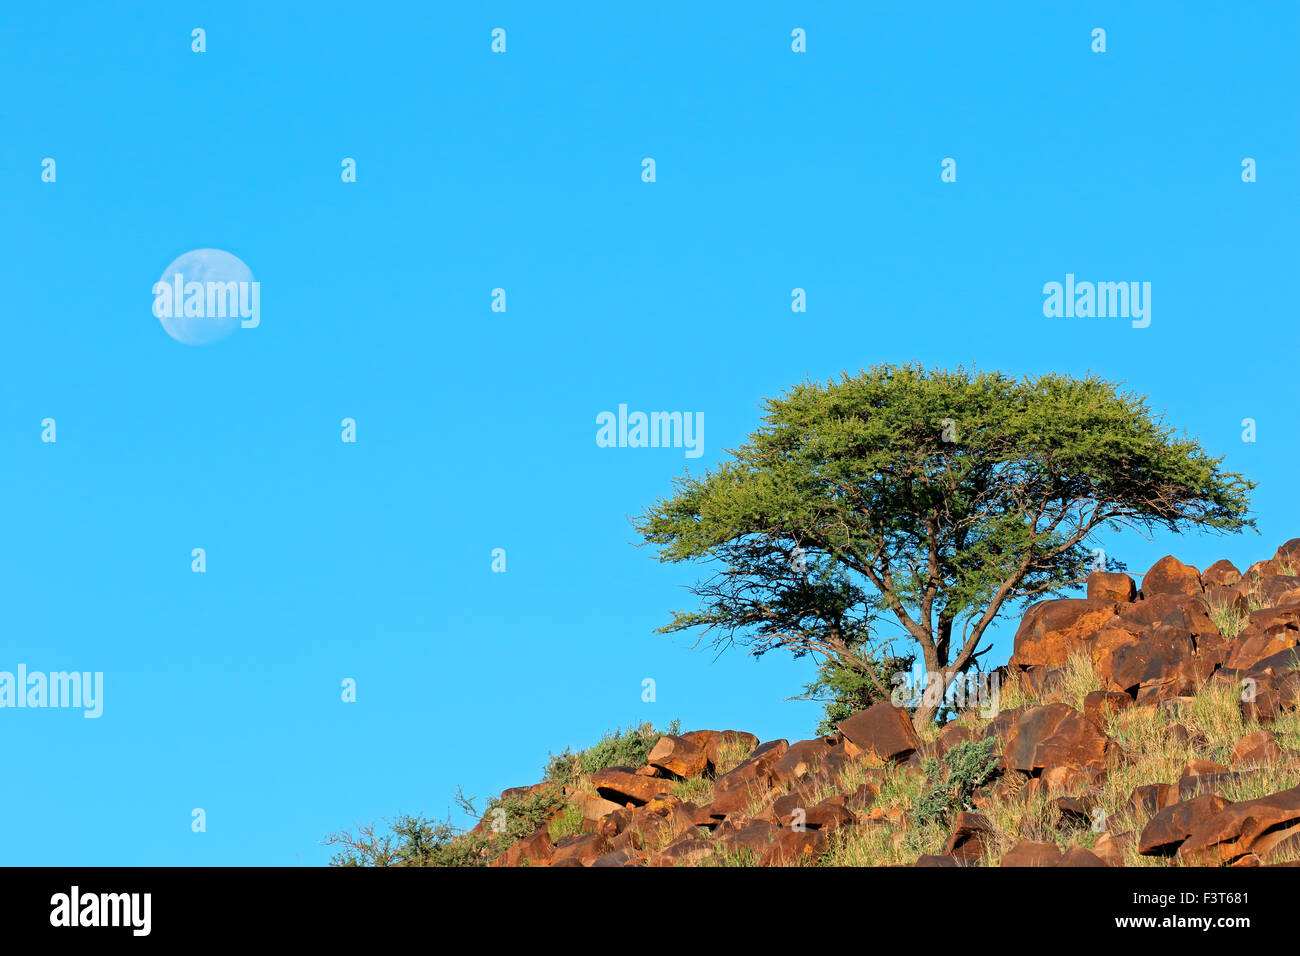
<point x="1131" y="727"/>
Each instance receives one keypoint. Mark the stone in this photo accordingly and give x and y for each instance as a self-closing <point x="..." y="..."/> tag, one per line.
<point x="730" y="740"/>
<point x="749" y="782"/>
<point x="1081" y="856"/>
<point x="1101" y="705"/>
<point x="1288" y="554"/>
<point x="830" y="813"/>
<point x="623" y="785"/>
<point x="969" y="838"/>
<point x="613" y="858"/>
<point x="1147" y="800"/>
<point x="1114" y="848"/>
<point x="1169" y="828"/>
<point x="1171" y="576"/>
<point x="1108" y="586"/>
<point x="678" y="756"/>
<point x="1221" y="574"/>
<point x="1053" y="735"/>
<point x="614" y="823"/>
<point x="753" y="840"/>
<point x="1256" y="750"/>
<point x="801" y="759"/>
<point x="592" y="808"/>
<point x="795" y="847"/>
<point x="1030" y="853"/>
<point x="883" y="731"/>
<point x="1189" y="612"/>
<point x="1261" y="826"/>
<point x="1160" y="663"/>
<point x="686" y="850"/>
<point x="1052" y="631"/>
<point x="536" y="848"/>
<point x="582" y="847"/>
<point x="1279" y="590"/>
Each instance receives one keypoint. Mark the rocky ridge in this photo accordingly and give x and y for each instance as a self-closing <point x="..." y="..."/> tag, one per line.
<point x="1158" y="725"/>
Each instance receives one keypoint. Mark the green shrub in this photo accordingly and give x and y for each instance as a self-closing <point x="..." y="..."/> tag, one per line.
<point x="954" y="779"/>
<point x="846" y="690"/>
<point x="619" y="748"/>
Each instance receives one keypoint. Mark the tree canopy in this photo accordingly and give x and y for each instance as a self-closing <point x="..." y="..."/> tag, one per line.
<point x="927" y="498"/>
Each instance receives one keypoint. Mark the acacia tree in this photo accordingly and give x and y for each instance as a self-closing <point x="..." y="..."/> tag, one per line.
<point x="928" y="499"/>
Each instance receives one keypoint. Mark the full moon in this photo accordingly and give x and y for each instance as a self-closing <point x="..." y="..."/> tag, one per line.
<point x="202" y="266"/>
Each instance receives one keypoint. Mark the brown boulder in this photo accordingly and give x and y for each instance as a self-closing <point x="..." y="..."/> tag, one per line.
<point x="686" y="850"/>
<point x="1224" y="596"/>
<point x="793" y="847"/>
<point x="1220" y="574"/>
<point x="750" y="781"/>
<point x="1054" y="735"/>
<point x="802" y="758"/>
<point x="832" y="812"/>
<point x="1260" y="826"/>
<point x="1157" y="665"/>
<point x="1051" y="631"/>
<point x="730" y="740"/>
<point x="678" y="756"/>
<point x="1101" y="705"/>
<point x="1171" y="576"/>
<point x="701" y="738"/>
<point x="1187" y="611"/>
<point x="623" y="785"/>
<point x="883" y="731"/>
<point x="1029" y="853"/>
<point x="1107" y="586"/>
<point x="1257" y="750"/>
<point x="785" y="809"/>
<point x="1081" y="856"/>
<point x="751" y="842"/>
<point x="1113" y="848"/>
<point x="1147" y="800"/>
<point x="613" y="858"/>
<point x="1288" y="555"/>
<point x="969" y="839"/>
<point x="536" y="848"/>
<point x="1279" y="590"/>
<point x="1167" y="830"/>
<point x="582" y="847"/>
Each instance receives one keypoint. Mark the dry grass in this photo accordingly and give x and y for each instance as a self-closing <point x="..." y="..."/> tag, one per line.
<point x="1153" y="753"/>
<point x="1229" y="619"/>
<point x="1079" y="680"/>
<point x="731" y="754"/>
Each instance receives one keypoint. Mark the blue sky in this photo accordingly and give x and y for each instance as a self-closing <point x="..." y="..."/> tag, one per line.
<point x="475" y="429"/>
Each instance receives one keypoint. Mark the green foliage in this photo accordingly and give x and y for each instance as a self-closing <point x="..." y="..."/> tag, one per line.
<point x="925" y="501"/>
<point x="417" y="841"/>
<point x="411" y="841"/>
<point x="522" y="813"/>
<point x="566" y="823"/>
<point x="619" y="748"/>
<point x="952" y="781"/>
<point x="846" y="690"/>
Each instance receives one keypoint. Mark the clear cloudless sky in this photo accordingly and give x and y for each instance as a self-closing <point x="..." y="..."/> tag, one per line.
<point x="476" y="429"/>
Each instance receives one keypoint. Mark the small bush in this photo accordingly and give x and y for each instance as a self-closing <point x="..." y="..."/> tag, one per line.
<point x="621" y="748"/>
<point x="954" y="779"/>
